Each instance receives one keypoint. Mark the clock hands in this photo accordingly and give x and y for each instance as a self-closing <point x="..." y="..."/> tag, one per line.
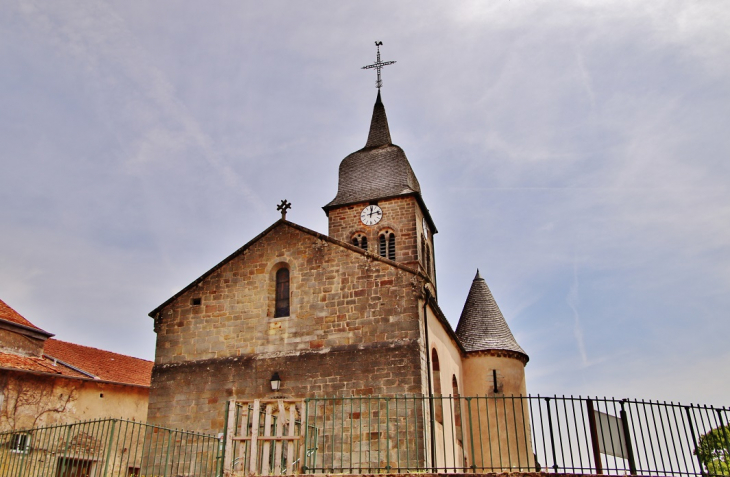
<point x="371" y="215"/>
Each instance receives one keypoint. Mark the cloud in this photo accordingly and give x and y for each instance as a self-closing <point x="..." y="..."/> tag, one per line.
<point x="133" y="93"/>
<point x="572" y="300"/>
<point x="546" y="137"/>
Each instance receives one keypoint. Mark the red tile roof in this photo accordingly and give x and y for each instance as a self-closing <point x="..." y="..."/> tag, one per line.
<point x="105" y="365"/>
<point x="8" y="314"/>
<point x="29" y="363"/>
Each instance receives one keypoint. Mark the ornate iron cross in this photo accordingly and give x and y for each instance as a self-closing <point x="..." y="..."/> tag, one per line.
<point x="283" y="207"/>
<point x="378" y="65"/>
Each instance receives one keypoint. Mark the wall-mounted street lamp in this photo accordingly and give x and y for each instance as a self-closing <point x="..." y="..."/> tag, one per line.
<point x="275" y="382"/>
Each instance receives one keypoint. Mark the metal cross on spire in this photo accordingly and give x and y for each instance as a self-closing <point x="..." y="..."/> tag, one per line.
<point x="378" y="65"/>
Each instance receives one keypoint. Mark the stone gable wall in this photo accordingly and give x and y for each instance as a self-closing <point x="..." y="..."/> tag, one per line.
<point x="353" y="329"/>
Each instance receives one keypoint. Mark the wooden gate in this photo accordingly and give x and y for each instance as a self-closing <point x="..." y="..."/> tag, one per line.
<point x="264" y="437"/>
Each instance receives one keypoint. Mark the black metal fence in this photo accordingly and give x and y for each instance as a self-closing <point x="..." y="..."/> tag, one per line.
<point x="506" y="433"/>
<point x="109" y="448"/>
<point x="582" y="435"/>
<point x="393" y="435"/>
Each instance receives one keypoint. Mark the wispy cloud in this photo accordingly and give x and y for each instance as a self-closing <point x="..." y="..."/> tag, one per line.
<point x="573" y="299"/>
<point x="578" y="151"/>
<point x="130" y="88"/>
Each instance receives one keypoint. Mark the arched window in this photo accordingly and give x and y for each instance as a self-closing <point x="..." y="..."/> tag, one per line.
<point x="386" y="244"/>
<point x="457" y="409"/>
<point x="436" y="372"/>
<point x="360" y="240"/>
<point x="437" y="404"/>
<point x="282" y="292"/>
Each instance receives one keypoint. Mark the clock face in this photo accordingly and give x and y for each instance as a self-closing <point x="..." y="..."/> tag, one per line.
<point x="425" y="228"/>
<point x="371" y="215"/>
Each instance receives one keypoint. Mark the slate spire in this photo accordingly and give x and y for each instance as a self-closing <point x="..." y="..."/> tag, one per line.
<point x="377" y="171"/>
<point x="379" y="134"/>
<point x="481" y="325"/>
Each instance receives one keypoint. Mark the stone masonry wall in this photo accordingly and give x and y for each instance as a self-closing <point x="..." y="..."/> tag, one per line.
<point x="353" y="329"/>
<point x="193" y="395"/>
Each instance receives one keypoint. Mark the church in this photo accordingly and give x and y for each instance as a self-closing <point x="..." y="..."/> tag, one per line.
<point x="351" y="313"/>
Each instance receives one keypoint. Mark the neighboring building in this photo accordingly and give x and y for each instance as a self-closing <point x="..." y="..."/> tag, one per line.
<point x="47" y="381"/>
<point x="351" y="313"/>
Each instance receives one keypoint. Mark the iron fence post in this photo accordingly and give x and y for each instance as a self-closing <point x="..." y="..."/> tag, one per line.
<point x="694" y="438"/>
<point x="432" y="429"/>
<point x="471" y="435"/>
<point x="552" y="438"/>
<point x="305" y="423"/>
<point x="109" y="447"/>
<point x="167" y="452"/>
<point x="723" y="431"/>
<point x="25" y="454"/>
<point x="627" y="436"/>
<point x="594" y="436"/>
<point x="221" y="442"/>
<point x="387" y="434"/>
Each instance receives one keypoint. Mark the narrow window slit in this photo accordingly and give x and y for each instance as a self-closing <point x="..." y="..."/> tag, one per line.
<point x="282" y="293"/>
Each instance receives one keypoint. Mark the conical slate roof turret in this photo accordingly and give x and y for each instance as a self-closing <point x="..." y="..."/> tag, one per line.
<point x="380" y="170"/>
<point x="481" y="325"/>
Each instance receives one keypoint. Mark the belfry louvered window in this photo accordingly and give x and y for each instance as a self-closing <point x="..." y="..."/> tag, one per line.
<point x="386" y="245"/>
<point x="282" y="293"/>
<point x="426" y="255"/>
<point x="428" y="259"/>
<point x="360" y="240"/>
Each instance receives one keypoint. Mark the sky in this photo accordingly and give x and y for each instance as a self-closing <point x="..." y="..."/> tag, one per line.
<point x="576" y="152"/>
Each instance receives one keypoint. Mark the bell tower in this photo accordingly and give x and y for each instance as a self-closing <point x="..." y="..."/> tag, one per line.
<point x="378" y="206"/>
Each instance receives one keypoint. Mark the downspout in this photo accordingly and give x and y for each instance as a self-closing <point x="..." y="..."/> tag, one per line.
<point x="430" y="387"/>
<point x="433" y="258"/>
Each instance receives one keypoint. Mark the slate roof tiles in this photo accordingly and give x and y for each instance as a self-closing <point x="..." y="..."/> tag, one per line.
<point x="377" y="171"/>
<point x="481" y="325"/>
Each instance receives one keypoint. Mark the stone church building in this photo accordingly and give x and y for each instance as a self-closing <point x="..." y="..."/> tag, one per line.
<point x="351" y="313"/>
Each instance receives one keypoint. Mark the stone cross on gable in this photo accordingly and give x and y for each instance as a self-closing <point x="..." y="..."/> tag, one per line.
<point x="283" y="207"/>
<point x="378" y="65"/>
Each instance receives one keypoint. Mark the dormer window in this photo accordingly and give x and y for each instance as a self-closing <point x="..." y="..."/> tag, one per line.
<point x="386" y="245"/>
<point x="360" y="240"/>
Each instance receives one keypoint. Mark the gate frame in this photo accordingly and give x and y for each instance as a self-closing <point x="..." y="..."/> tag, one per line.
<point x="234" y="434"/>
